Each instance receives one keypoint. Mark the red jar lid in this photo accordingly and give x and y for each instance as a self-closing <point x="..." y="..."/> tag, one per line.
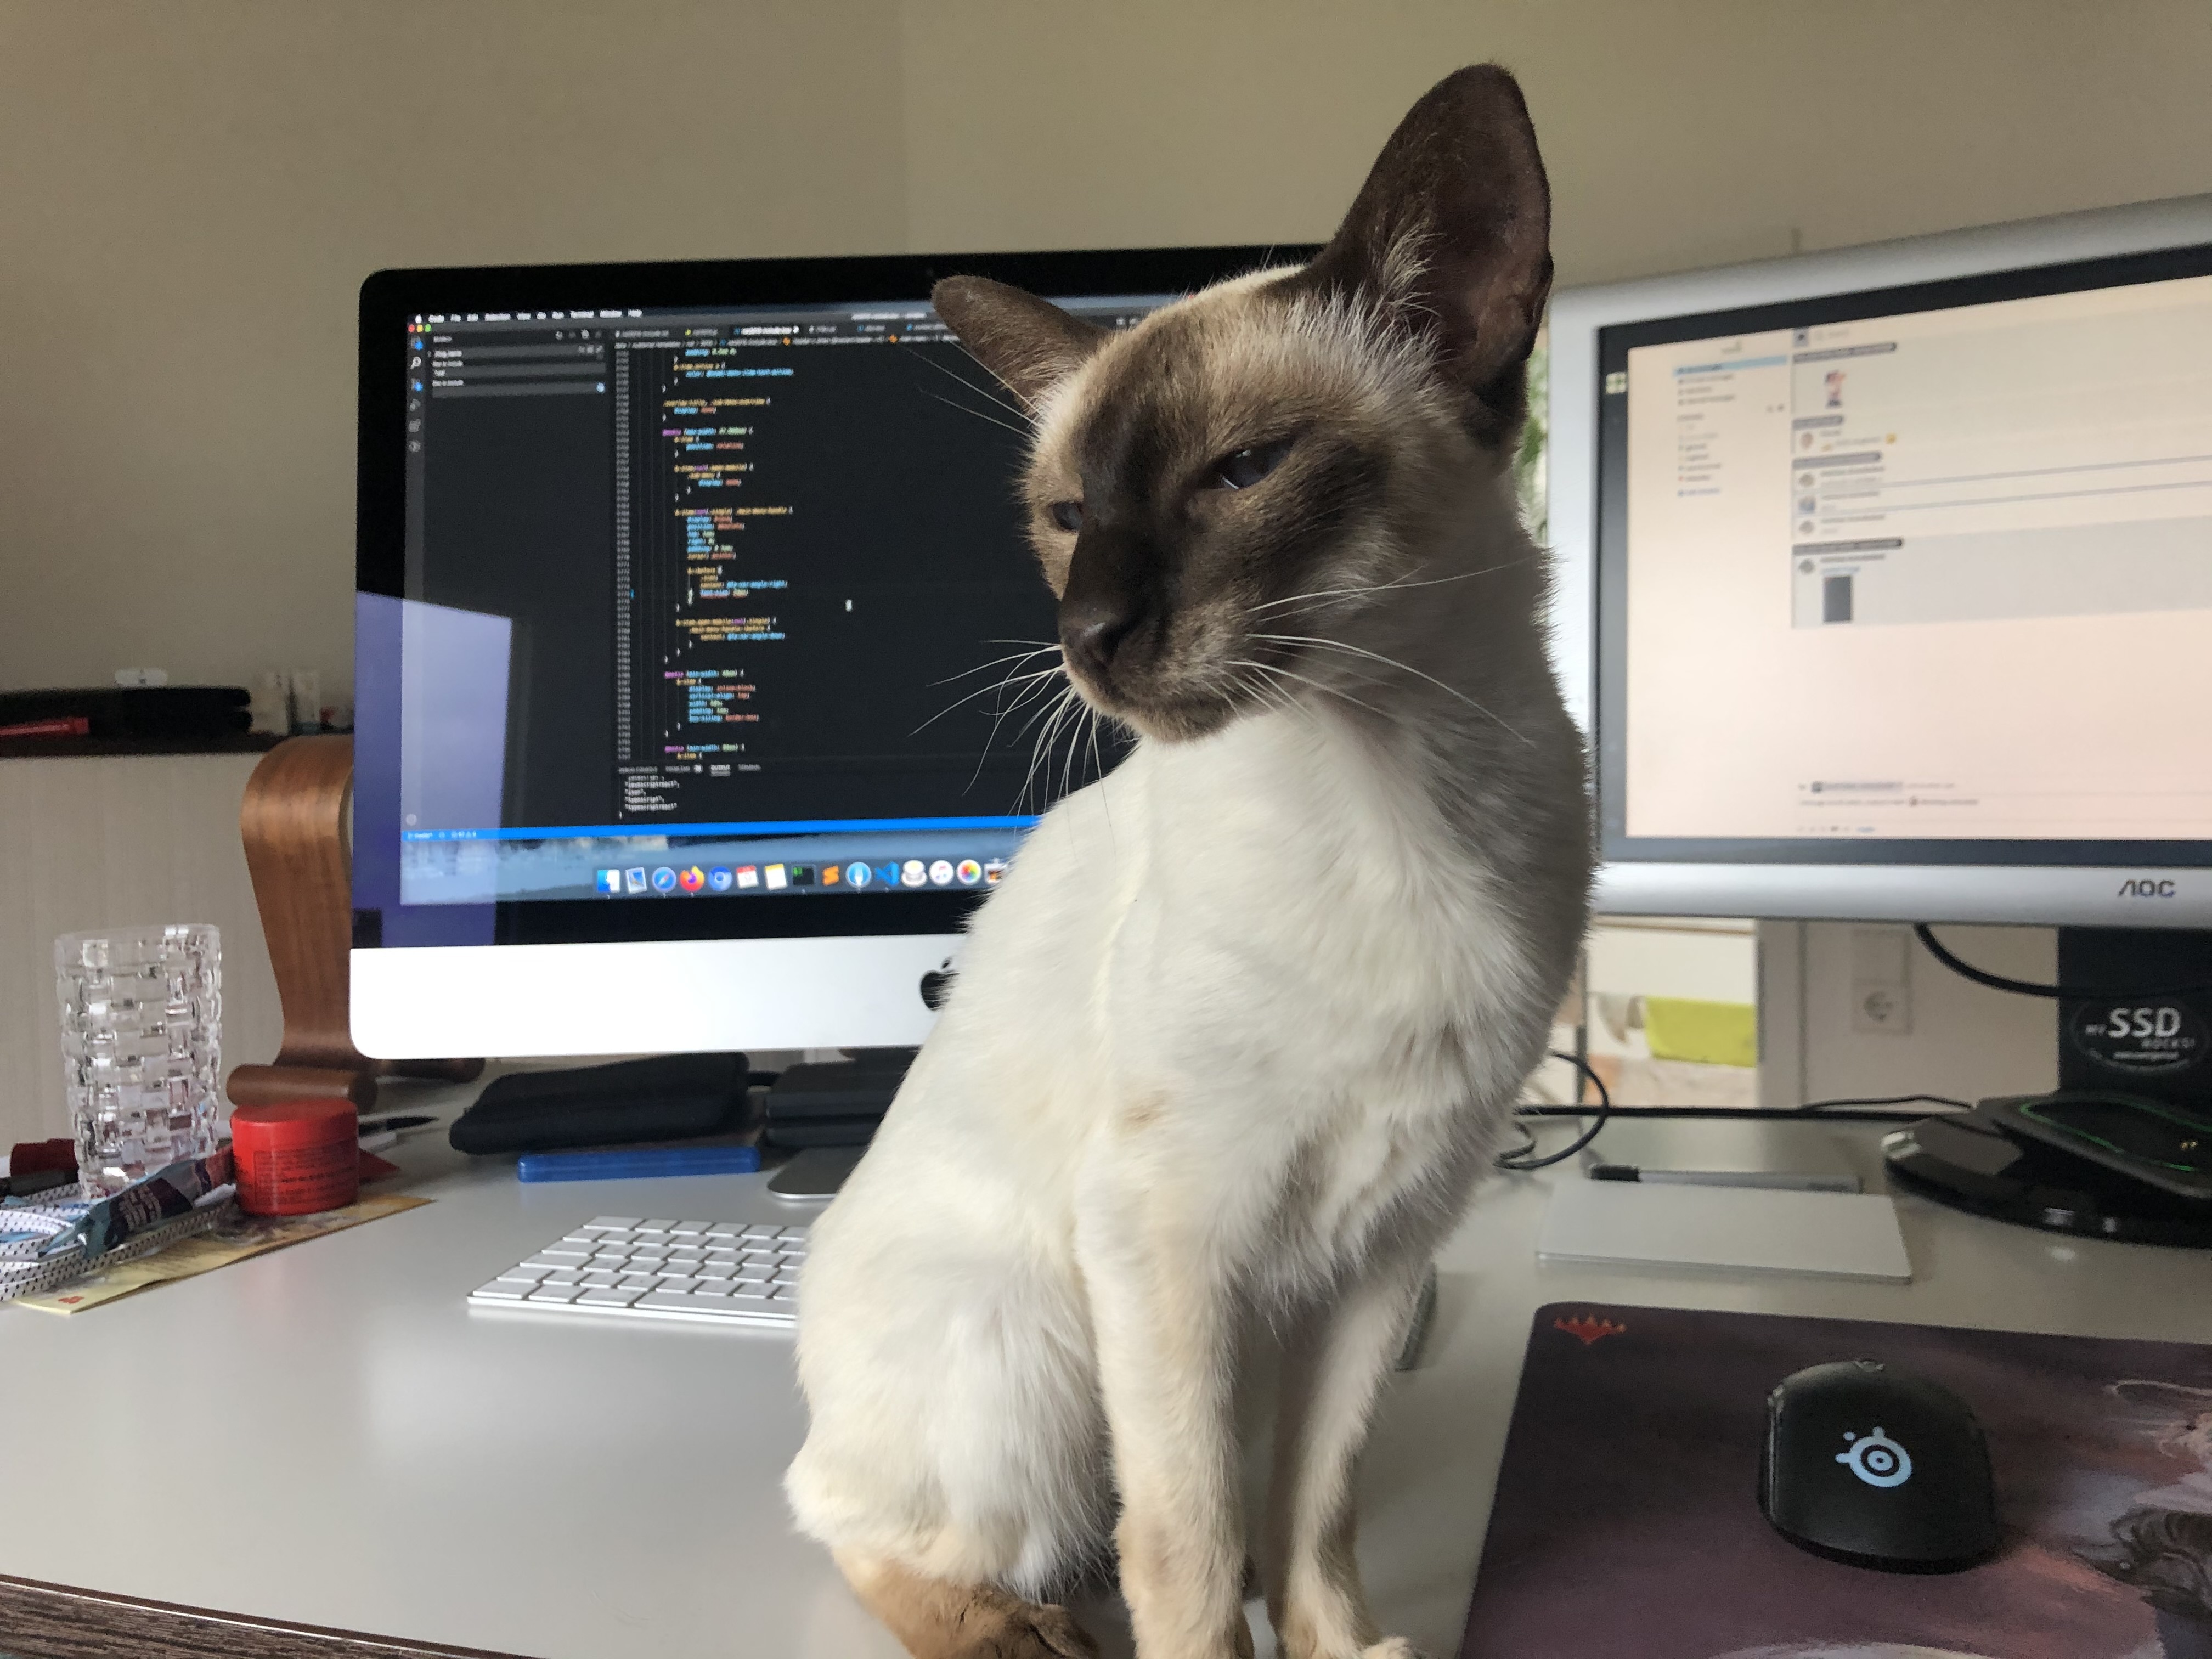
<point x="289" y="1124"/>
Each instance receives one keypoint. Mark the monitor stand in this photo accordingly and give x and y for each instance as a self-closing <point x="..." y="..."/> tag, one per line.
<point x="817" y="1172"/>
<point x="2155" y="1048"/>
<point x="827" y="1113"/>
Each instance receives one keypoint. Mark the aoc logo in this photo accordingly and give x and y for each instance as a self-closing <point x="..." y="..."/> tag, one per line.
<point x="2147" y="887"/>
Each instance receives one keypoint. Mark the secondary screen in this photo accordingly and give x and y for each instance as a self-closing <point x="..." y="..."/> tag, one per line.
<point x="730" y="603"/>
<point x="1940" y="574"/>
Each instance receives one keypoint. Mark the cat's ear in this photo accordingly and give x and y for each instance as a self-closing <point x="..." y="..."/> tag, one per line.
<point x="1451" y="235"/>
<point x="1030" y="343"/>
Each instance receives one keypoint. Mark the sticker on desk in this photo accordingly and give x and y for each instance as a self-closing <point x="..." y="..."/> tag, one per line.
<point x="248" y="1235"/>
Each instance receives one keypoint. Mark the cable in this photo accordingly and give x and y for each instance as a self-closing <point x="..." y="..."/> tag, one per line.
<point x="1820" y="1112"/>
<point x="1521" y="1159"/>
<point x="1884" y="1100"/>
<point x="2022" y="988"/>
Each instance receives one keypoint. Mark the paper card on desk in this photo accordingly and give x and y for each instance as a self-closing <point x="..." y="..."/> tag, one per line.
<point x="1753" y="1230"/>
<point x="251" y="1235"/>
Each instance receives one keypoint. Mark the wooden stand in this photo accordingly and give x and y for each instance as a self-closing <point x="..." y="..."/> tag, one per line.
<point x="294" y="823"/>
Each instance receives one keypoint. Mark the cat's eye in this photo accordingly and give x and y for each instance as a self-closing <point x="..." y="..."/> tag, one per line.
<point x="1068" y="515"/>
<point x="1248" y="466"/>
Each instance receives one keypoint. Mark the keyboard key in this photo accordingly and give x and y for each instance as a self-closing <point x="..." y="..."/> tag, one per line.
<point x="691" y="1229"/>
<point x="763" y="1231"/>
<point x="562" y="1253"/>
<point x="600" y="1281"/>
<point x="615" y="1298"/>
<point x="567" y="1277"/>
<point x="673" y="1302"/>
<point x="639" y="1281"/>
<point x="556" y="1294"/>
<point x="614" y="1221"/>
<point x="675" y="1282"/>
<point x="652" y="1225"/>
<point x="709" y="1270"/>
<point x="725" y="1229"/>
<point x="532" y="1271"/>
<point x="505" y="1290"/>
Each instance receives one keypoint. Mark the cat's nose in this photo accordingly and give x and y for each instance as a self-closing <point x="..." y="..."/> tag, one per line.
<point x="1089" y="629"/>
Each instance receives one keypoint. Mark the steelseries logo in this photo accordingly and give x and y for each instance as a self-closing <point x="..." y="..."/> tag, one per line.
<point x="2147" y="887"/>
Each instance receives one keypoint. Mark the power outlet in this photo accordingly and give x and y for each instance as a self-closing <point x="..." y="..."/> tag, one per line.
<point x="1882" y="982"/>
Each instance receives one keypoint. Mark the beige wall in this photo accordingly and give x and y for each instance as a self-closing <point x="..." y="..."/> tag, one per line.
<point x="192" y="190"/>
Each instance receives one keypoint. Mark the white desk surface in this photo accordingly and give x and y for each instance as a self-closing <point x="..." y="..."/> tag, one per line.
<point x="348" y="1445"/>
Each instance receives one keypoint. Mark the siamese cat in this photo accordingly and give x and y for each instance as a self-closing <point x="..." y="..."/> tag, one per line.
<point x="1242" y="1025"/>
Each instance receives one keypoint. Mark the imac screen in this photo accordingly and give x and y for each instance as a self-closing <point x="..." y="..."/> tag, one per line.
<point x="710" y="608"/>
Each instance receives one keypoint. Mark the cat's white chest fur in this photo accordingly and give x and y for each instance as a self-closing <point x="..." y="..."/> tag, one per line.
<point x="1258" y="962"/>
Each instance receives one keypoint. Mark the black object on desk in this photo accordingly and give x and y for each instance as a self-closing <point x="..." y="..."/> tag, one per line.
<point x="828" y="1113"/>
<point x="668" y="1097"/>
<point x="838" y="1103"/>
<point x="1974" y="1161"/>
<point x="1879" y="1467"/>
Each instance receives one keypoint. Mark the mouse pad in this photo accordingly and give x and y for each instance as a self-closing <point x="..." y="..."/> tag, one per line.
<point x="1628" y="1520"/>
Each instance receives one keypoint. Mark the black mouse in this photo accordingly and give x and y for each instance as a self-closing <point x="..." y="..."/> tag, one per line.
<point x="1877" y="1468"/>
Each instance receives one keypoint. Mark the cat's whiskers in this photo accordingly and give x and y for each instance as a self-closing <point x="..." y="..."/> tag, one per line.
<point x="1048" y="722"/>
<point x="952" y="403"/>
<point x="983" y="691"/>
<point x="1403" y="668"/>
<point x="987" y="392"/>
<point x="1014" y="657"/>
<point x="1038" y="683"/>
<point x="1276" y="670"/>
<point x="1394" y="586"/>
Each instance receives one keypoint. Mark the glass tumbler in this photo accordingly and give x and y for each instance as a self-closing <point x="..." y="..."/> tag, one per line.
<point x="142" y="1047"/>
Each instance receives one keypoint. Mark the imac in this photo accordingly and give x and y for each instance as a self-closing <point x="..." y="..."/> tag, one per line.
<point x="702" y="663"/>
<point x="1885" y="577"/>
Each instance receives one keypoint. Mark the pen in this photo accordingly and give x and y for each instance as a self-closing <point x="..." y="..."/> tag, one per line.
<point x="377" y="1126"/>
<point x="1760" y="1178"/>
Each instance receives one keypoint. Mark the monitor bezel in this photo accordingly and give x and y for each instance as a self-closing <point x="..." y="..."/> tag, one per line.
<point x="390" y="298"/>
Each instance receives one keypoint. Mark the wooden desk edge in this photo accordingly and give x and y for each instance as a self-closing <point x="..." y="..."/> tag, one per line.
<point x="55" y="1621"/>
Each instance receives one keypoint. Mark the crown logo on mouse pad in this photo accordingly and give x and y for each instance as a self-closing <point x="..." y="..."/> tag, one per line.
<point x="1589" y="1330"/>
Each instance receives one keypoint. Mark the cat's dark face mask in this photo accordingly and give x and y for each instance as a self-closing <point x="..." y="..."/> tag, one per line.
<point x="1218" y="495"/>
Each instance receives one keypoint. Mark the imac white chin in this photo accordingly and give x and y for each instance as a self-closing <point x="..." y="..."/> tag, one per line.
<point x="648" y="996"/>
